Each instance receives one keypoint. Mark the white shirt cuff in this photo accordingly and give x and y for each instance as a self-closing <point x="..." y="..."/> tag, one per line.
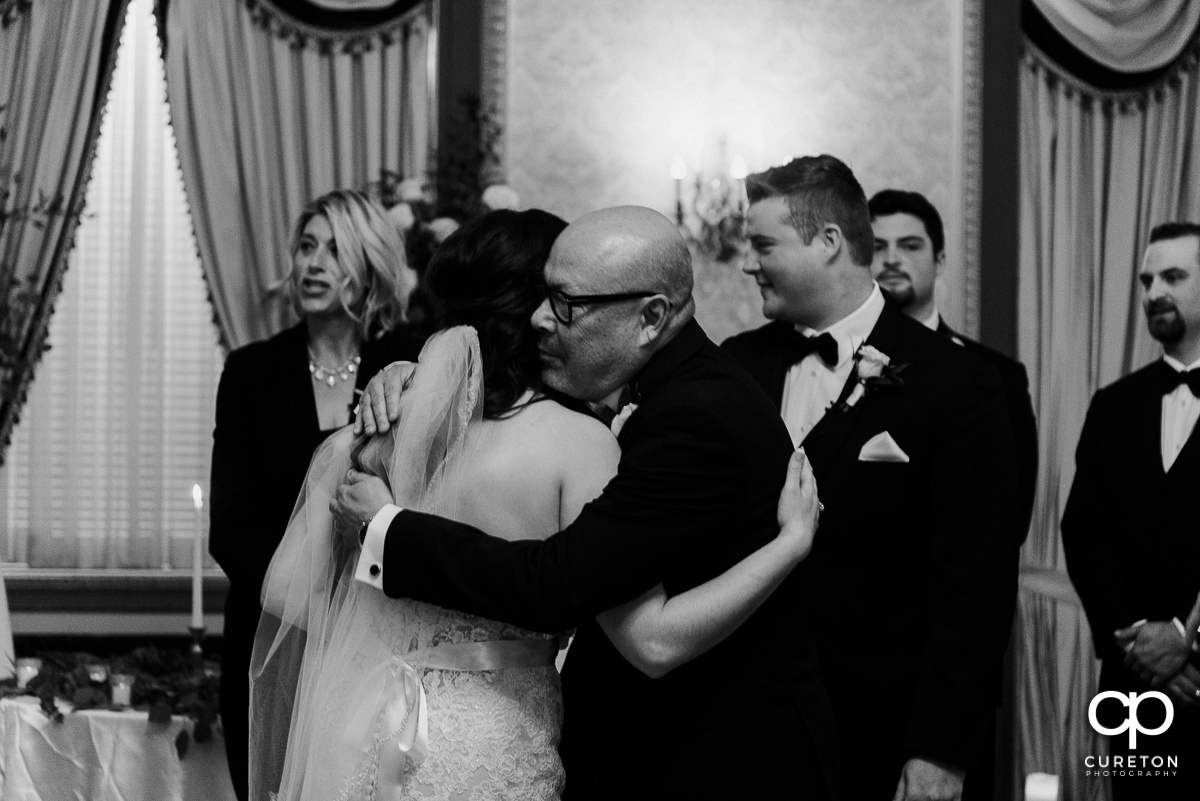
<point x="370" y="559"/>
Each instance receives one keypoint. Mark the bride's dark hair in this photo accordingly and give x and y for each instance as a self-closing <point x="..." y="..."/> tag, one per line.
<point x="488" y="275"/>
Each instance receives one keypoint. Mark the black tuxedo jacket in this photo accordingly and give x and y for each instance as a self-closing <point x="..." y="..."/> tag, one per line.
<point x="912" y="577"/>
<point x="266" y="431"/>
<point x="1132" y="546"/>
<point x="1015" y="382"/>
<point x="1129" y="529"/>
<point x="702" y="463"/>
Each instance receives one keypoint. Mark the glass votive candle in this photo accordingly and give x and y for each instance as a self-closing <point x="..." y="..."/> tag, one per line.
<point x="27" y="668"/>
<point x="97" y="673"/>
<point x="122" y="689"/>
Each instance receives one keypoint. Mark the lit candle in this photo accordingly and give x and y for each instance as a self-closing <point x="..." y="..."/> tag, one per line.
<point x="738" y="172"/>
<point x="678" y="172"/>
<point x="198" y="560"/>
<point x="27" y="668"/>
<point x="122" y="689"/>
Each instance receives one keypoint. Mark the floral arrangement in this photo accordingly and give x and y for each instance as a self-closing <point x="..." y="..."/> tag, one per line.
<point x="622" y="418"/>
<point x="463" y="194"/>
<point x="165" y="683"/>
<point x="873" y="371"/>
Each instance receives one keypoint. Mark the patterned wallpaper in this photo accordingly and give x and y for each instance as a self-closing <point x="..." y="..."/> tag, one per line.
<point x="602" y="94"/>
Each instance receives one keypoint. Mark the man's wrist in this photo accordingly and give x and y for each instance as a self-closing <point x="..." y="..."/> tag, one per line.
<point x="377" y="526"/>
<point x="370" y="560"/>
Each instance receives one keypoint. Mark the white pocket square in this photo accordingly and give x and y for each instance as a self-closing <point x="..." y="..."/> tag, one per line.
<point x="882" y="448"/>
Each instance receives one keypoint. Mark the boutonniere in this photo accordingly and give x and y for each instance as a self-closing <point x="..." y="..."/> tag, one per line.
<point x="873" y="370"/>
<point x="618" y="422"/>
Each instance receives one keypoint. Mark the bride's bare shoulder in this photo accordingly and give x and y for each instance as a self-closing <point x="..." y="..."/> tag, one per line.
<point x="545" y="441"/>
<point x="562" y="427"/>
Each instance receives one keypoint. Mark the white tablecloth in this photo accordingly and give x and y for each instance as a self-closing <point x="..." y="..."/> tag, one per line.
<point x="99" y="755"/>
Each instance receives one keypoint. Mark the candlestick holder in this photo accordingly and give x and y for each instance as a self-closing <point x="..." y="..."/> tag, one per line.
<point x="196" y="652"/>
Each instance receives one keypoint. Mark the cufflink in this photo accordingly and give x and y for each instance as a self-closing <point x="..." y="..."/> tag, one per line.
<point x="374" y="571"/>
<point x="362" y="531"/>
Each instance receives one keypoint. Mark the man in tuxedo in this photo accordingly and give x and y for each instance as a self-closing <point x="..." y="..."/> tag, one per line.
<point x="910" y="443"/>
<point x="702" y="465"/>
<point x="1129" y="529"/>
<point x="910" y="255"/>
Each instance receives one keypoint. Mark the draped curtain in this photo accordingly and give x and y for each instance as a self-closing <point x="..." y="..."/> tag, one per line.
<point x="271" y="110"/>
<point x="1099" y="168"/>
<point x="56" y="58"/>
<point x="119" y="422"/>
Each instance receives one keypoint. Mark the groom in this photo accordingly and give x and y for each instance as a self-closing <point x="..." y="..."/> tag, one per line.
<point x="702" y="465"/>
<point x="914" y="572"/>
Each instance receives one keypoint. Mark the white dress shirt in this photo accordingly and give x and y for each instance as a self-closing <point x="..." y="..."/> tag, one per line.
<point x="811" y="386"/>
<point x="1180" y="410"/>
<point x="369" y="569"/>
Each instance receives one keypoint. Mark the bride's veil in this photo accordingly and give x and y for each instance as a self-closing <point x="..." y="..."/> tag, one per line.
<point x="327" y="653"/>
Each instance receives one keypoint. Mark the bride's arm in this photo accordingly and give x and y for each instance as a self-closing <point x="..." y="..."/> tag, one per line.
<point x="656" y="634"/>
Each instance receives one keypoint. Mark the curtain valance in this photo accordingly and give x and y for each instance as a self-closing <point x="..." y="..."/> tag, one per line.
<point x="348" y="25"/>
<point x="1116" y="50"/>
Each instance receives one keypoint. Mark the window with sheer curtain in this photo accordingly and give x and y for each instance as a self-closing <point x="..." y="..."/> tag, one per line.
<point x="118" y="426"/>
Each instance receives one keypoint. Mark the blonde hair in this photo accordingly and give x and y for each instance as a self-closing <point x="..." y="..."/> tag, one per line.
<point x="370" y="251"/>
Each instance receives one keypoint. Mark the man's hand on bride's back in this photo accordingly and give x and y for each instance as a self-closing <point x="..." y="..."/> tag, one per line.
<point x="799" y="507"/>
<point x="379" y="406"/>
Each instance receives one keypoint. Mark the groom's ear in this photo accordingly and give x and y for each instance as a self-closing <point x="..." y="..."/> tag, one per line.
<point x="655" y="313"/>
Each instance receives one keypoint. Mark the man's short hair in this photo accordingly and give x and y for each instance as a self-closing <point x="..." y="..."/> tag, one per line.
<point x="1174" y="230"/>
<point x="819" y="190"/>
<point x="899" y="201"/>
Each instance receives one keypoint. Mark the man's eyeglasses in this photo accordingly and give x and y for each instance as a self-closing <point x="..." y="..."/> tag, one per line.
<point x="563" y="304"/>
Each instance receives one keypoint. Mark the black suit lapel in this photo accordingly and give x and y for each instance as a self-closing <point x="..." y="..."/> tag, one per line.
<point x="294" y="373"/>
<point x="769" y="366"/>
<point x="1149" y="419"/>
<point x="825" y="442"/>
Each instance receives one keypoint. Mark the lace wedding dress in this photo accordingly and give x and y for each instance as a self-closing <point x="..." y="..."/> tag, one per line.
<point x="358" y="696"/>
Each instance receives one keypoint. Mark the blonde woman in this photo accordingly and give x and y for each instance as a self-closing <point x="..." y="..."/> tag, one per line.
<point x="349" y="284"/>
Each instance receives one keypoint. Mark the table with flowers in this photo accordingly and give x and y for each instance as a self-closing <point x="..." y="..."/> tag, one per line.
<point x="63" y="737"/>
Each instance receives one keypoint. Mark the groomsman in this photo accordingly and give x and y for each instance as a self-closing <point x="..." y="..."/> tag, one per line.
<point x="910" y="255"/>
<point x="1129" y="530"/>
<point x="912" y="450"/>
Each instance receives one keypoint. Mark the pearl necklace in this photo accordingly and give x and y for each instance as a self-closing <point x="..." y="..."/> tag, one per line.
<point x="330" y="376"/>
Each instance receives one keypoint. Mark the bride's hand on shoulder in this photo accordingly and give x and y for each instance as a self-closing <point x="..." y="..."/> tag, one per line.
<point x="799" y="508"/>
<point x="379" y="406"/>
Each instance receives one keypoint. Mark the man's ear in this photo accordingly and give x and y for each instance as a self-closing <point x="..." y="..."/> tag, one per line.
<point x="939" y="263"/>
<point x="655" y="314"/>
<point x="831" y="240"/>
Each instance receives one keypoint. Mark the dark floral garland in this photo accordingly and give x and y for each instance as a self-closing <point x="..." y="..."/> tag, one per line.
<point x="165" y="683"/>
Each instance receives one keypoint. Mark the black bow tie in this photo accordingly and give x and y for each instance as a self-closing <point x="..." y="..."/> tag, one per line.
<point x="798" y="346"/>
<point x="1170" y="378"/>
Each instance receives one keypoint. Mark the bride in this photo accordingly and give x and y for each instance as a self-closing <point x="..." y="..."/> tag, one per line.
<point x="358" y="696"/>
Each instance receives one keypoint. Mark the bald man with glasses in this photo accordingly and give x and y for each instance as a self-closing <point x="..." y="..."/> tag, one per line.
<point x="703" y="463"/>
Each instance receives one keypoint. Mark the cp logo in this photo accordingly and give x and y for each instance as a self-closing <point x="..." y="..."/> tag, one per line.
<point x="1131" y="723"/>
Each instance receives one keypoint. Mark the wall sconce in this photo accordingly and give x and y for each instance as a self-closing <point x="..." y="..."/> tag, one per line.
<point x="719" y="204"/>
